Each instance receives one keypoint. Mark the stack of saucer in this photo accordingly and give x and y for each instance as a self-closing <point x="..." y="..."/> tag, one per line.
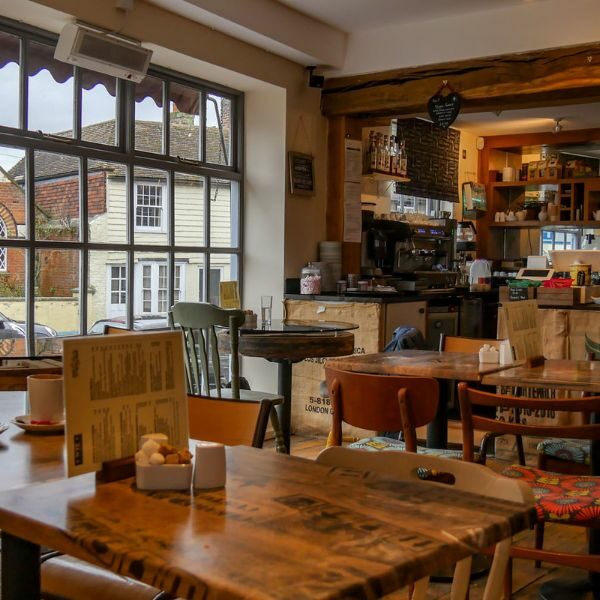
<point x="331" y="254"/>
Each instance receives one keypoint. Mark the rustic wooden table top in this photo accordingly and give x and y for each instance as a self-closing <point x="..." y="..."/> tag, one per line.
<point x="282" y="527"/>
<point x="462" y="366"/>
<point x="575" y="375"/>
<point x="27" y="457"/>
<point x="14" y="371"/>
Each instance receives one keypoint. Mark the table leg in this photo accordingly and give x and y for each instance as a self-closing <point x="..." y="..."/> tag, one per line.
<point x="437" y="430"/>
<point x="284" y="388"/>
<point x="20" y="569"/>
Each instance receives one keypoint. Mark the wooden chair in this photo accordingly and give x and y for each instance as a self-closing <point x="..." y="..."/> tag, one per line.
<point x="113" y="329"/>
<point x="230" y="422"/>
<point x="199" y="322"/>
<point x="557" y="497"/>
<point x="383" y="403"/>
<point x="476" y="479"/>
<point x="455" y="343"/>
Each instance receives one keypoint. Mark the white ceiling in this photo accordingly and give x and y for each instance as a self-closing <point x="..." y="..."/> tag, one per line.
<point x="357" y="15"/>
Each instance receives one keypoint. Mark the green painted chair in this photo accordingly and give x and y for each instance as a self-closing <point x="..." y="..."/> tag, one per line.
<point x="199" y="322"/>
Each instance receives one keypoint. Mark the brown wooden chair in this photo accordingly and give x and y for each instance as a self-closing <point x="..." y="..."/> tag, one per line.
<point x="113" y="329"/>
<point x="227" y="421"/>
<point x="560" y="498"/>
<point x="383" y="403"/>
<point x="455" y="343"/>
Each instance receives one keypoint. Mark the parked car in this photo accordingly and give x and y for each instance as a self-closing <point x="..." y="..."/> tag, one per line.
<point x="140" y="323"/>
<point x="9" y="328"/>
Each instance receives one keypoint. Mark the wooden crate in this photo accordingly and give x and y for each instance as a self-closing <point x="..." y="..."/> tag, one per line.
<point x="588" y="292"/>
<point x="559" y="296"/>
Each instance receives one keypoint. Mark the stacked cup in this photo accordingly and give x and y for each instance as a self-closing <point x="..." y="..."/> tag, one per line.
<point x="330" y="253"/>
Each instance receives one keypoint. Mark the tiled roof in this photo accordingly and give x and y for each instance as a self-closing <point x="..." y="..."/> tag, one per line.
<point x="184" y="143"/>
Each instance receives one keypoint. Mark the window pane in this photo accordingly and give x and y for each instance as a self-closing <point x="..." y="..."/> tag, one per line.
<point x="56" y="305"/>
<point x="12" y="303"/>
<point x="107" y="202"/>
<point x="151" y="206"/>
<point x="150" y="294"/>
<point x="56" y="196"/>
<point x="50" y="105"/>
<point x="98" y="108"/>
<point x="9" y="80"/>
<point x="189" y="210"/>
<point x="189" y="268"/>
<point x="218" y="130"/>
<point x="223" y="267"/>
<point x="149" y="115"/>
<point x="12" y="192"/>
<point x="224" y="214"/>
<point x="185" y="109"/>
<point x="107" y="290"/>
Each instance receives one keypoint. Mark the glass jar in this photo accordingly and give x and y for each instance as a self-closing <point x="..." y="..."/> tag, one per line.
<point x="310" y="280"/>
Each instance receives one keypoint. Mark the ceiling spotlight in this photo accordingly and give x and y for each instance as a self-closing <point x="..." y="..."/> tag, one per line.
<point x="557" y="126"/>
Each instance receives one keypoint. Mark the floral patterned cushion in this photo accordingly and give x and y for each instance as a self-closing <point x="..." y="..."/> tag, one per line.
<point x="572" y="450"/>
<point x="564" y="498"/>
<point x="383" y="444"/>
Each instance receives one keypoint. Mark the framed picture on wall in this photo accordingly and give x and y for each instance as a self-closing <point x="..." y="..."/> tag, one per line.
<point x="302" y="179"/>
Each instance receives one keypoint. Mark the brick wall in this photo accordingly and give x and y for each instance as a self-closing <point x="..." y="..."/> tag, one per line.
<point x="432" y="154"/>
<point x="59" y="198"/>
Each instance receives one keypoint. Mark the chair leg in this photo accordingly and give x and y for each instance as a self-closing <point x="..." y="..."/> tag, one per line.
<point x="508" y="580"/>
<point x="539" y="540"/>
<point x="520" y="450"/>
<point x="461" y="579"/>
<point x="279" y="441"/>
<point x="501" y="568"/>
<point x="420" y="589"/>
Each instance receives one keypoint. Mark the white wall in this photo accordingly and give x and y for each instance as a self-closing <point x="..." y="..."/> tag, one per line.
<point x="513" y="28"/>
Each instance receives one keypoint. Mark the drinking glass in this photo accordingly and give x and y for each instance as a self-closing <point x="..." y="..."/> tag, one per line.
<point x="266" y="304"/>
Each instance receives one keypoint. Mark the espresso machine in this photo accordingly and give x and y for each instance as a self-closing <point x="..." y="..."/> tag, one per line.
<point x="424" y="261"/>
<point x="380" y="240"/>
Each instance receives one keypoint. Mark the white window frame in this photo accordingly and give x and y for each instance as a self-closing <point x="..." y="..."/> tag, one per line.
<point x="3" y="250"/>
<point x="120" y="308"/>
<point x="162" y="228"/>
<point x="154" y="286"/>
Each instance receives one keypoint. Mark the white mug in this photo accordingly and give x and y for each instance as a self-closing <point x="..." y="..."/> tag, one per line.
<point x="596" y="215"/>
<point x="45" y="396"/>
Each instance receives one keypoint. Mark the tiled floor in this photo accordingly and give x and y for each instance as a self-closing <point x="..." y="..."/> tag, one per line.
<point x="526" y="578"/>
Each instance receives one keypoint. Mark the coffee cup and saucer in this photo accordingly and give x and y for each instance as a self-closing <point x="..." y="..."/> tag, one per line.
<point x="46" y="406"/>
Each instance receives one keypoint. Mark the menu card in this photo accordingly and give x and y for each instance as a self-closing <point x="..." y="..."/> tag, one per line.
<point x="118" y="388"/>
<point x="523" y="328"/>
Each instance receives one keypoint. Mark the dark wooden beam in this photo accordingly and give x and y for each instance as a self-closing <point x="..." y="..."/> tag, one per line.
<point x="576" y="136"/>
<point x="511" y="81"/>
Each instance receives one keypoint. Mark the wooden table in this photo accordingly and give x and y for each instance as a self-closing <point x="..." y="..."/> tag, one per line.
<point x="574" y="375"/>
<point x="14" y="371"/>
<point x="447" y="366"/>
<point x="283" y="527"/>
<point x="286" y="342"/>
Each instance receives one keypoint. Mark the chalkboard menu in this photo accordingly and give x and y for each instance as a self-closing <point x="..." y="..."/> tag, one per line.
<point x="443" y="110"/>
<point x="302" y="179"/>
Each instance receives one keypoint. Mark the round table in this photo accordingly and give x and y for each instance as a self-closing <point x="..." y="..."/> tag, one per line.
<point x="286" y="342"/>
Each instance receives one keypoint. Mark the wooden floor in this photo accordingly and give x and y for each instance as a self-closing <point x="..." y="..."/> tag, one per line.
<point x="526" y="578"/>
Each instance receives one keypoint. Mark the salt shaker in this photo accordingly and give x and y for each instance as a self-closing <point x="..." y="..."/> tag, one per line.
<point x="210" y="470"/>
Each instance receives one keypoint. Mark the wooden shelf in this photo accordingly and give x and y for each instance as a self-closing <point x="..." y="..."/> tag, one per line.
<point x="537" y="224"/>
<point x="385" y="177"/>
<point x="532" y="182"/>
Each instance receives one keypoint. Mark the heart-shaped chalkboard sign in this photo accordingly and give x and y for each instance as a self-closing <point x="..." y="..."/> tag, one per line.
<point x="443" y="110"/>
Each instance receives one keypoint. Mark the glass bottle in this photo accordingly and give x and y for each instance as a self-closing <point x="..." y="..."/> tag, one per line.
<point x="385" y="167"/>
<point x="402" y="162"/>
<point x="393" y="155"/>
<point x="372" y="152"/>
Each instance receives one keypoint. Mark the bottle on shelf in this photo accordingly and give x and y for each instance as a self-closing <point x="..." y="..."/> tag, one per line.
<point x="385" y="167"/>
<point x="393" y="155"/>
<point x="402" y="159"/>
<point x="372" y="153"/>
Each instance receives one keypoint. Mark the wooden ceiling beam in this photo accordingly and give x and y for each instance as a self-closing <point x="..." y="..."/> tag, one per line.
<point x="512" y="81"/>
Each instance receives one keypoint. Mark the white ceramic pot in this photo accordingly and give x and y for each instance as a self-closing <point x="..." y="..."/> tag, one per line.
<point x="543" y="216"/>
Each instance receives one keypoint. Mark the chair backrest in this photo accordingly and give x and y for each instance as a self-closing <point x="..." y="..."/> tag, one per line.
<point x="469" y="397"/>
<point x="468" y="477"/>
<point x="455" y="343"/>
<point x="381" y="403"/>
<point x="198" y="322"/>
<point x="231" y="422"/>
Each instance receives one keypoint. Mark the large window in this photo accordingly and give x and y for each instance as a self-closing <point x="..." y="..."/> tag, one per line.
<point x="116" y="199"/>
